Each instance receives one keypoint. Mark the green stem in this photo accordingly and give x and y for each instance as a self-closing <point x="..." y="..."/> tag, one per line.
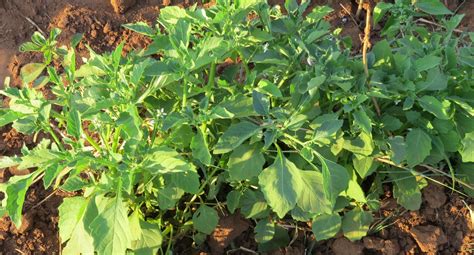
<point x="55" y="138"/>
<point x="199" y="191"/>
<point x="185" y="94"/>
<point x="92" y="142"/>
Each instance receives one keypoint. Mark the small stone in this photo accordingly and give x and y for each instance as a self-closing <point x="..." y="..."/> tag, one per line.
<point x="94" y="33"/>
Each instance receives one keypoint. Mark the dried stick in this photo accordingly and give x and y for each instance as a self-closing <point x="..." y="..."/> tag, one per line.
<point x="366" y="45"/>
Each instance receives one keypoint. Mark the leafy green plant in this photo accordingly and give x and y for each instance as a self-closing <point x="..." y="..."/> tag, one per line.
<point x="239" y="107"/>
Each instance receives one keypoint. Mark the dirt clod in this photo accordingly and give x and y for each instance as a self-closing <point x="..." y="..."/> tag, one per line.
<point x="342" y="246"/>
<point x="429" y="238"/>
<point x="229" y="228"/>
<point x="121" y="6"/>
<point x="434" y="196"/>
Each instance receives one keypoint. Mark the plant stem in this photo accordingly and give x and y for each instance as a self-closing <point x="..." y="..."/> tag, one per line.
<point x="55" y="138"/>
<point x="185" y="93"/>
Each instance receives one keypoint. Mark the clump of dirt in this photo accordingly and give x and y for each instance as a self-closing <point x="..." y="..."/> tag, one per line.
<point x="121" y="6"/>
<point x="229" y="228"/>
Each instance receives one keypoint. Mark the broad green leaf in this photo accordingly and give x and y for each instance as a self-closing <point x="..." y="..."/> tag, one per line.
<point x="312" y="198"/>
<point x="418" y="147"/>
<point x="406" y="190"/>
<point x="427" y="62"/>
<point x="17" y="187"/>
<point x="200" y="148"/>
<point x="434" y="106"/>
<point x="398" y="148"/>
<point x="326" y="226"/>
<point x="355" y="192"/>
<point x="335" y="179"/>
<point x="363" y="121"/>
<point x="433" y="7"/>
<point x="74" y="183"/>
<point x="234" y="136"/>
<point x="264" y="231"/>
<point x="246" y="162"/>
<point x="364" y="166"/>
<point x="205" y="219"/>
<point x="74" y="124"/>
<point x="253" y="204"/>
<point x="109" y="226"/>
<point x="467" y="150"/>
<point x="356" y="223"/>
<point x="362" y="145"/>
<point x="168" y="196"/>
<point x="149" y="237"/>
<point x="31" y="71"/>
<point x="379" y="11"/>
<point x="9" y="117"/>
<point x="266" y="87"/>
<point x="71" y="212"/>
<point x="233" y="200"/>
<point x="261" y="104"/>
<point x="166" y="160"/>
<point x="281" y="184"/>
<point x="71" y="226"/>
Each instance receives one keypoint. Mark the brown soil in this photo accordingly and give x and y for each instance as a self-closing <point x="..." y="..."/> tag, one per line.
<point x="443" y="225"/>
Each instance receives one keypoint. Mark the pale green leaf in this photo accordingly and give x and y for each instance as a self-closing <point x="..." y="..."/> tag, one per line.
<point x="74" y="124"/>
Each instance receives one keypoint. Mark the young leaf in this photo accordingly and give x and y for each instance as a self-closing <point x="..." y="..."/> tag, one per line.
<point x="356" y="223"/>
<point x="246" y="162"/>
<point x="418" y="147"/>
<point x="200" y="148"/>
<point x="281" y="184"/>
<point x="467" y="150"/>
<point x="264" y="231"/>
<point x="326" y="226"/>
<point x="74" y="124"/>
<point x="234" y="136"/>
<point x="205" y="219"/>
